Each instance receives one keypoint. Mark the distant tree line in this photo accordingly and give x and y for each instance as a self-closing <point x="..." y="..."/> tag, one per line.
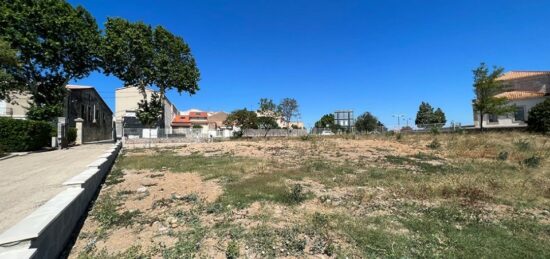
<point x="47" y="43"/>
<point x="266" y="116"/>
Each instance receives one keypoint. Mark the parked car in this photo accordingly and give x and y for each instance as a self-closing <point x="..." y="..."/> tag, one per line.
<point x="327" y="133"/>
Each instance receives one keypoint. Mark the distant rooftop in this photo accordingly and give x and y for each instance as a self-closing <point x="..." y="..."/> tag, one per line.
<point x="78" y="87"/>
<point x="510" y="75"/>
<point x="519" y="95"/>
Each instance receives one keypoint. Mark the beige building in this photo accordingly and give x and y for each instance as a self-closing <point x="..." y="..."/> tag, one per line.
<point x="126" y="105"/>
<point x="17" y="108"/>
<point x="524" y="89"/>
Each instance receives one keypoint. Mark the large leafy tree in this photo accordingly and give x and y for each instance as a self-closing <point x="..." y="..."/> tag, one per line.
<point x="424" y="115"/>
<point x="9" y="65"/>
<point x="327" y="121"/>
<point x="55" y="43"/>
<point x="367" y="122"/>
<point x="439" y="117"/>
<point x="128" y="52"/>
<point x="288" y="109"/>
<point x="243" y="119"/>
<point x="142" y="56"/>
<point x="486" y="86"/>
<point x="427" y="116"/>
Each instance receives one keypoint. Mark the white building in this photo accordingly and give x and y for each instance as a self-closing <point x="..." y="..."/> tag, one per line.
<point x="524" y="89"/>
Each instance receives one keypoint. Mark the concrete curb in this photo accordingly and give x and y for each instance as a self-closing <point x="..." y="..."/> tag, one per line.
<point x="46" y="231"/>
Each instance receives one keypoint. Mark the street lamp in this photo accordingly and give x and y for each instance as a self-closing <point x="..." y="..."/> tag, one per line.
<point x="398" y="116"/>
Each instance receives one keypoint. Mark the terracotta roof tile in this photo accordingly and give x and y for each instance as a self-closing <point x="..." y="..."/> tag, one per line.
<point x="511" y="75"/>
<point x="518" y="95"/>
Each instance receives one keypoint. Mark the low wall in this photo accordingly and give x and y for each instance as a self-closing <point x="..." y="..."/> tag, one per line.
<point x="255" y="133"/>
<point x="46" y="231"/>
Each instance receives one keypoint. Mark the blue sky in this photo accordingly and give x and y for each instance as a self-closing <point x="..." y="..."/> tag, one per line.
<point x="379" y="56"/>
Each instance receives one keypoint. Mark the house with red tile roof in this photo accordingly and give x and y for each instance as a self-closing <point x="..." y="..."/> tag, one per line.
<point x="524" y="89"/>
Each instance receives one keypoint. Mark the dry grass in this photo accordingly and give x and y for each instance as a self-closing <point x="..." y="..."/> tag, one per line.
<point x="373" y="196"/>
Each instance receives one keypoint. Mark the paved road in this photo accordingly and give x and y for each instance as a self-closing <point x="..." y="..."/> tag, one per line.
<point x="26" y="182"/>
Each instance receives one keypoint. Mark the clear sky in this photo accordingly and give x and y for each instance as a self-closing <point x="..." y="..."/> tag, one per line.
<point x="379" y="56"/>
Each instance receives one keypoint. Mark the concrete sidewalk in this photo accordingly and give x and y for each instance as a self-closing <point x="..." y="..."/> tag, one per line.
<point x="27" y="182"/>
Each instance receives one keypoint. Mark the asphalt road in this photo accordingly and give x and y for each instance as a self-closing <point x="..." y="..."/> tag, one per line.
<point x="26" y="182"/>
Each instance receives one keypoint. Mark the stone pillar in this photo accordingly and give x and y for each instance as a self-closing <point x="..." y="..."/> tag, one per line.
<point x="79" y="130"/>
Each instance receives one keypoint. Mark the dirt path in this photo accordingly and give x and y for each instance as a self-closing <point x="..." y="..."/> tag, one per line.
<point x="27" y="182"/>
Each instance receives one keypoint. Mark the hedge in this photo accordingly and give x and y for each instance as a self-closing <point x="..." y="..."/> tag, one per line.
<point x="539" y="117"/>
<point x="24" y="135"/>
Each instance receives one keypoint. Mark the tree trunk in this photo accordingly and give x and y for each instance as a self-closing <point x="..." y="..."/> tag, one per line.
<point x="481" y="121"/>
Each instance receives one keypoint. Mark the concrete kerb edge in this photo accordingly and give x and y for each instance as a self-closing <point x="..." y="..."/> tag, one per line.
<point x="46" y="231"/>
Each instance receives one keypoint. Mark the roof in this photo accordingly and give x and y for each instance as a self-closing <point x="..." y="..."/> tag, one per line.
<point x="511" y="75"/>
<point x="75" y="87"/>
<point x="519" y="95"/>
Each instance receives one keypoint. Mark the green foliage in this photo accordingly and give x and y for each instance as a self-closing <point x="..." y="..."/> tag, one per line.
<point x="486" y="86"/>
<point x="502" y="156"/>
<point x="197" y="127"/>
<point x="9" y="64"/>
<point x="71" y="135"/>
<point x="141" y="56"/>
<point x="297" y="194"/>
<point x="105" y="212"/>
<point x="266" y="123"/>
<point x="532" y="162"/>
<point x="232" y="251"/>
<point x="435" y="144"/>
<point x="426" y="116"/>
<point x="539" y="117"/>
<point x="243" y="118"/>
<point x="327" y="121"/>
<point x="55" y="43"/>
<point x="24" y="135"/>
<point x="149" y="112"/>
<point x="367" y="122"/>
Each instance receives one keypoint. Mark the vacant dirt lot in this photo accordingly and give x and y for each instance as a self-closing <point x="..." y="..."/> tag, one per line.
<point x="373" y="196"/>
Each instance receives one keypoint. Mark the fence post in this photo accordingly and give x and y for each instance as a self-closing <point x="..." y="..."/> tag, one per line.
<point x="79" y="130"/>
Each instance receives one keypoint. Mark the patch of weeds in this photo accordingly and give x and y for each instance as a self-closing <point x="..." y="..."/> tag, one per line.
<point x="232" y="250"/>
<point x="115" y="176"/>
<point x="188" y="244"/>
<point x="226" y="167"/>
<point x="161" y="203"/>
<point x="522" y="145"/>
<point x="305" y="138"/>
<point x="296" y="194"/>
<point x="532" y="162"/>
<point x="293" y="241"/>
<point x="398" y="136"/>
<point x="263" y="239"/>
<point x="502" y="156"/>
<point x="214" y="208"/>
<point x="320" y="221"/>
<point x="105" y="212"/>
<point x="471" y="193"/>
<point x="191" y="216"/>
<point x="435" y="144"/>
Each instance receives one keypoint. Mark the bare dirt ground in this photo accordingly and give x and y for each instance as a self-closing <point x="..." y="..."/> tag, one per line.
<point x="355" y="197"/>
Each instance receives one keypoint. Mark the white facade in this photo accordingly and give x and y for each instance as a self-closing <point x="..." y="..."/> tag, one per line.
<point x="515" y="119"/>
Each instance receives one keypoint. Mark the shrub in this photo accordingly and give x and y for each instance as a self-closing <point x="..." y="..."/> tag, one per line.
<point x="71" y="135"/>
<point x="24" y="135"/>
<point x="297" y="194"/>
<point x="232" y="251"/>
<point x="539" y="117"/>
<point x="435" y="130"/>
<point x="503" y="156"/>
<point x="434" y="144"/>
<point x="532" y="162"/>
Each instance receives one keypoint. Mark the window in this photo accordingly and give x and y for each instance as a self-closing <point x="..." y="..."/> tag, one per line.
<point x="519" y="114"/>
<point x="493" y="118"/>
